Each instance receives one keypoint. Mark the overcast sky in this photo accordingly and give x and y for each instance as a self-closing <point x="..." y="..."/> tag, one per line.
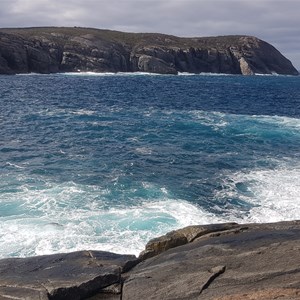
<point x="275" y="21"/>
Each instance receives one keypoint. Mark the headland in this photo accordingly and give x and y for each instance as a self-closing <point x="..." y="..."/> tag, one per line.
<point x="75" y="49"/>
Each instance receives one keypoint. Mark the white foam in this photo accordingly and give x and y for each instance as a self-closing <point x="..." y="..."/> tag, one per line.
<point x="204" y="74"/>
<point x="292" y="123"/>
<point x="80" y="73"/>
<point x="70" y="217"/>
<point x="15" y="165"/>
<point x="274" y="195"/>
<point x="186" y="74"/>
<point x="140" y="74"/>
<point x="218" y="120"/>
<point x="66" y="112"/>
<point x="117" y="230"/>
<point x="272" y="74"/>
<point x="144" y="150"/>
<point x="29" y="74"/>
<point x="83" y="112"/>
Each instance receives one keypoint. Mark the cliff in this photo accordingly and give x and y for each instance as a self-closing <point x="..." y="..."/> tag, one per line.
<point x="210" y="262"/>
<point x="52" y="50"/>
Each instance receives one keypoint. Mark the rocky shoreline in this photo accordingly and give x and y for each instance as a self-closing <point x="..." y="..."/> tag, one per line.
<point x="212" y="262"/>
<point x="74" y="49"/>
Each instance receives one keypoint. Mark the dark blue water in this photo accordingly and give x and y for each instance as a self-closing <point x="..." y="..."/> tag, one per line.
<point x="109" y="161"/>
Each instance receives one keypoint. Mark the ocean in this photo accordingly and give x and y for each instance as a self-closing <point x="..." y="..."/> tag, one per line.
<point x="109" y="161"/>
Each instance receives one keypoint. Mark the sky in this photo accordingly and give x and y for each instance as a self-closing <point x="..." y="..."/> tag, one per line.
<point x="275" y="21"/>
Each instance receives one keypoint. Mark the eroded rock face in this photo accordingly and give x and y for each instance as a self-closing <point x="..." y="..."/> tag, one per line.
<point x="50" y="50"/>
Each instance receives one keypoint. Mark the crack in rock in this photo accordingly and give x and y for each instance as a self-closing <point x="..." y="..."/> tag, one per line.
<point x="216" y="271"/>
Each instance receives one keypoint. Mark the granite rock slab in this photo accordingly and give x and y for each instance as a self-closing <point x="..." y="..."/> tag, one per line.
<point x="76" y="275"/>
<point x="256" y="262"/>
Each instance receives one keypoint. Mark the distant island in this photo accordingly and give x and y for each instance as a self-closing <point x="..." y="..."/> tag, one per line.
<point x="64" y="49"/>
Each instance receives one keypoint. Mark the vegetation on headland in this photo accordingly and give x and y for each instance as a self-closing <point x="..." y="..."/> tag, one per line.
<point x="64" y="49"/>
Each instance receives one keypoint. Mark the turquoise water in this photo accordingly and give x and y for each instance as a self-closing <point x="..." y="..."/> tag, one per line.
<point x="109" y="161"/>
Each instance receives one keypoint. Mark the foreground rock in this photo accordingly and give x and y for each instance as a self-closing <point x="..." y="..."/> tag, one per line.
<point x="51" y="50"/>
<point x="238" y="263"/>
<point x="210" y="262"/>
<point x="77" y="275"/>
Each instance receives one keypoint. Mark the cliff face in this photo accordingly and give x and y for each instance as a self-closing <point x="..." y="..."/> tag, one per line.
<point x="51" y="50"/>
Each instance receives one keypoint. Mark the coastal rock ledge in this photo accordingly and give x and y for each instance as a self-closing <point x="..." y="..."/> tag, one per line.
<point x="63" y="49"/>
<point x="211" y="262"/>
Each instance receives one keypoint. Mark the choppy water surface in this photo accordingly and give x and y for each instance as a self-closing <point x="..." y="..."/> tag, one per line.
<point x="109" y="161"/>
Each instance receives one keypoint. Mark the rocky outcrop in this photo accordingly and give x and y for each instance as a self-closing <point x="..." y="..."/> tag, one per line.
<point x="51" y="50"/>
<point x="211" y="262"/>
<point x="77" y="275"/>
<point x="242" y="262"/>
<point x="183" y="236"/>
